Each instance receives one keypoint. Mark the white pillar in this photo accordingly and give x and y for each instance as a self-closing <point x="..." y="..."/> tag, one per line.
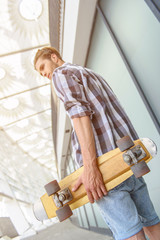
<point x="16" y="215"/>
<point x="12" y="208"/>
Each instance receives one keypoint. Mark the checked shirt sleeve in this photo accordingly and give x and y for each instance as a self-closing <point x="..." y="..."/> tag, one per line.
<point x="71" y="91"/>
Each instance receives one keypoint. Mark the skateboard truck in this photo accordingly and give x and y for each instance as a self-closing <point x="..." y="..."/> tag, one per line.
<point x="132" y="158"/>
<point x="133" y="155"/>
<point x="62" y="197"/>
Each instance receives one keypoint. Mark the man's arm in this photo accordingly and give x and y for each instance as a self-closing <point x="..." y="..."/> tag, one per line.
<point x="91" y="177"/>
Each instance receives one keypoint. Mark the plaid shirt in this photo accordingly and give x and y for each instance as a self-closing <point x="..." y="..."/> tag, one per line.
<point x="85" y="93"/>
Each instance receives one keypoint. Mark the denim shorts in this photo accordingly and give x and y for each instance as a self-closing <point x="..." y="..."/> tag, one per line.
<point x="127" y="208"/>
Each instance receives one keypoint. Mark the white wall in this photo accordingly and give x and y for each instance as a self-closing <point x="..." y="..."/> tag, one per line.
<point x="138" y="32"/>
<point x="139" y="35"/>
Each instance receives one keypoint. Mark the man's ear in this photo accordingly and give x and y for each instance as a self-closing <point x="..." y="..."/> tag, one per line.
<point x="54" y="58"/>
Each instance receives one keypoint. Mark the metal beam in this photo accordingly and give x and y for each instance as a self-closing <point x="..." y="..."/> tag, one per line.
<point x="29" y="116"/>
<point x="54" y="16"/>
<point x="54" y="35"/>
<point x="154" y="5"/>
<point x="24" y="50"/>
<point x="28" y="90"/>
<point x="37" y="132"/>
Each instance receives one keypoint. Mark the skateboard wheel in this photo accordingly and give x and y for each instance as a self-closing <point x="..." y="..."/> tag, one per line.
<point x="52" y="187"/>
<point x="64" y="212"/>
<point x="125" y="143"/>
<point x="140" y="169"/>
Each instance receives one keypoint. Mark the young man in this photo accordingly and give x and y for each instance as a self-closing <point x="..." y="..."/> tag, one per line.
<point x="99" y="121"/>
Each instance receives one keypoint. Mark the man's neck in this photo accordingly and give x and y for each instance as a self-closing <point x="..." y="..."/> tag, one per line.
<point x="60" y="62"/>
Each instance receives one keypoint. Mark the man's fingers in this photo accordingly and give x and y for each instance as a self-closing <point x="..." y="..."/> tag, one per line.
<point x="104" y="190"/>
<point x="90" y="197"/>
<point x="77" y="185"/>
<point x="95" y="188"/>
<point x="100" y="193"/>
<point x="97" y="194"/>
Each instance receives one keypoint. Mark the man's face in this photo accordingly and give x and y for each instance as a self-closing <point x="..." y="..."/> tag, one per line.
<point x="46" y="67"/>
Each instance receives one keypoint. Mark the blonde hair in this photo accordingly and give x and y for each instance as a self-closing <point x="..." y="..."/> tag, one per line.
<point x="46" y="52"/>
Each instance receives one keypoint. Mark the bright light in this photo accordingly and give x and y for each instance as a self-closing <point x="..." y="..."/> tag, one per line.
<point x="2" y="73"/>
<point x="48" y="112"/>
<point x="44" y="91"/>
<point x="41" y="145"/>
<point x="30" y="10"/>
<point x="33" y="136"/>
<point x="23" y="123"/>
<point x="11" y="104"/>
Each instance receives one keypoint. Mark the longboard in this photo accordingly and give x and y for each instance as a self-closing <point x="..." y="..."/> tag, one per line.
<point x="116" y="166"/>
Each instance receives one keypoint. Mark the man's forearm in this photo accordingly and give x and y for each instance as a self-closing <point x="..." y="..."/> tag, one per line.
<point x="91" y="177"/>
<point x="85" y="136"/>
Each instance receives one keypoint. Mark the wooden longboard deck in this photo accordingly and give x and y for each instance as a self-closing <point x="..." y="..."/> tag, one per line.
<point x="114" y="171"/>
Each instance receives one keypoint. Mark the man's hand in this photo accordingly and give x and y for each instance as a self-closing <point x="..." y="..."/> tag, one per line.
<point x="92" y="180"/>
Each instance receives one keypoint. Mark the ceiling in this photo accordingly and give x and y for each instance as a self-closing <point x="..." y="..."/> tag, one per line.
<point x="27" y="158"/>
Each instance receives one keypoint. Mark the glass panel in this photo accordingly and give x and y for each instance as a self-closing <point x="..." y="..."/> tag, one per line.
<point x="84" y="217"/>
<point x="90" y="215"/>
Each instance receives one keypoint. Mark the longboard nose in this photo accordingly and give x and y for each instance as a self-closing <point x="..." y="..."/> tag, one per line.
<point x="39" y="211"/>
<point x="150" y="146"/>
